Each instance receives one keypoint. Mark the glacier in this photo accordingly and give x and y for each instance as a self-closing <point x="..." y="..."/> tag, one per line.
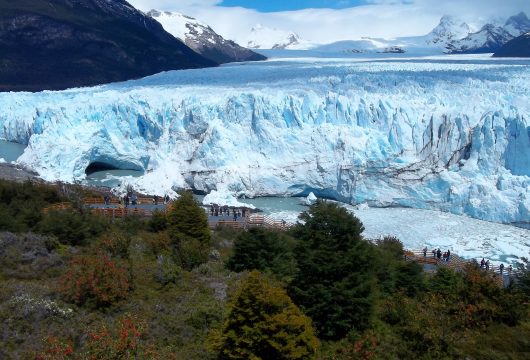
<point x="448" y="133"/>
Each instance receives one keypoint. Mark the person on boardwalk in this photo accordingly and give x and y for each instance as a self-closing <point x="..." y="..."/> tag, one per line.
<point x="439" y="254"/>
<point x="425" y="251"/>
<point x="107" y="200"/>
<point x="448" y="255"/>
<point x="510" y="268"/>
<point x="235" y="215"/>
<point x="134" y="199"/>
<point x="155" y="200"/>
<point x="501" y="268"/>
<point x="127" y="200"/>
<point x="482" y="263"/>
<point x="166" y="199"/>
<point x="487" y="265"/>
<point x="434" y="253"/>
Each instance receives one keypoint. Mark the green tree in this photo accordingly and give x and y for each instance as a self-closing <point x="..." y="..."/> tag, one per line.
<point x="335" y="281"/>
<point x="264" y="324"/>
<point x="264" y="250"/>
<point x="189" y="232"/>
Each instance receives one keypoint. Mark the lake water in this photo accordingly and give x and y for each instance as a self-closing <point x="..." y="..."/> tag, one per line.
<point x="416" y="228"/>
<point x="110" y="178"/>
<point x="10" y="151"/>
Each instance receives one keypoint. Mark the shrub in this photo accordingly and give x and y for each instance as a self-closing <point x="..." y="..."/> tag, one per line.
<point x="115" y="243"/>
<point x="94" y="279"/>
<point x="73" y="227"/>
<point x="158" y="222"/>
<point x="335" y="284"/>
<point x="56" y="349"/>
<point x="265" y="324"/>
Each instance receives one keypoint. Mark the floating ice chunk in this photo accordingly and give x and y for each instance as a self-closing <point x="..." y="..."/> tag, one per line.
<point x="310" y="199"/>
<point x="224" y="198"/>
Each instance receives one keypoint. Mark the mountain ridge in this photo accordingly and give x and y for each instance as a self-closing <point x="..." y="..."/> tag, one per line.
<point x="72" y="43"/>
<point x="202" y="38"/>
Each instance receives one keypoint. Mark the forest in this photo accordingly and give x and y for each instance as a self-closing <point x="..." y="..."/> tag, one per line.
<point x="75" y="285"/>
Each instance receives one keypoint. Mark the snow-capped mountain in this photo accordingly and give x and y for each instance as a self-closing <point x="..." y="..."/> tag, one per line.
<point x="448" y="31"/>
<point x="517" y="25"/>
<point x="50" y="45"/>
<point x="451" y="35"/>
<point x="203" y="39"/>
<point x="262" y="37"/>
<point x="492" y="37"/>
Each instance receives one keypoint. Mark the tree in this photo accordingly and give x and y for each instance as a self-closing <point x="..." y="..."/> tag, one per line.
<point x="264" y="250"/>
<point x="335" y="281"/>
<point x="264" y="324"/>
<point x="189" y="232"/>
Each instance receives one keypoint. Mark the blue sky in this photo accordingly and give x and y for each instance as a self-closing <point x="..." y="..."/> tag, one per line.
<point x="284" y="5"/>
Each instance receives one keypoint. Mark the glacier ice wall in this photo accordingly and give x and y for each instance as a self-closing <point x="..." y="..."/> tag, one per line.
<point x="445" y="134"/>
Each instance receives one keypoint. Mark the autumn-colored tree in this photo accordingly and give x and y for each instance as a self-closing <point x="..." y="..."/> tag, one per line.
<point x="265" y="324"/>
<point x="94" y="279"/>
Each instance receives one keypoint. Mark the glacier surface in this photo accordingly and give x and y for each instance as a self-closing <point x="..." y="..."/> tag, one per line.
<point x="449" y="133"/>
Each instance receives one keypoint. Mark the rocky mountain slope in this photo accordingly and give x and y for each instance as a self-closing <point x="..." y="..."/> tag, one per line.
<point x="491" y="37"/>
<point x="203" y="39"/>
<point x="518" y="47"/>
<point x="70" y="43"/>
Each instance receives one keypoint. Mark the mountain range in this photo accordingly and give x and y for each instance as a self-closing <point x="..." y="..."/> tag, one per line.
<point x="450" y="36"/>
<point x="70" y="43"/>
<point x="203" y="39"/>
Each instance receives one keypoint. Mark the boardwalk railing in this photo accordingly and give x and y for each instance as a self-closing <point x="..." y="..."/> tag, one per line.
<point x="457" y="263"/>
<point x="266" y="221"/>
<point x="57" y="207"/>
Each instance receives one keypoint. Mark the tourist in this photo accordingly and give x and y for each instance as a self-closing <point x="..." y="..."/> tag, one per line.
<point x="107" y="200"/>
<point x="244" y="212"/>
<point x="166" y="199"/>
<point x="127" y="200"/>
<point x="487" y="265"/>
<point x="439" y="254"/>
<point x="235" y="215"/>
<point x="501" y="268"/>
<point x="425" y="251"/>
<point x="482" y="263"/>
<point x="510" y="268"/>
<point x="155" y="200"/>
<point x="211" y="210"/>
<point x="448" y="255"/>
<point x="434" y="253"/>
<point x="134" y="199"/>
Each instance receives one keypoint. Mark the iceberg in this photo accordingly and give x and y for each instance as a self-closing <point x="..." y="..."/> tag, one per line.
<point x="447" y="133"/>
<point x="224" y="198"/>
<point x="310" y="199"/>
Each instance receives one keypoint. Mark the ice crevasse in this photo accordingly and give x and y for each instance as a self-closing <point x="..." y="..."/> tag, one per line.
<point x="445" y="135"/>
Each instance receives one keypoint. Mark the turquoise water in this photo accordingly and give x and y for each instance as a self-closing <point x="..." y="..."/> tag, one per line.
<point x="110" y="178"/>
<point x="10" y="151"/>
<point x="270" y="205"/>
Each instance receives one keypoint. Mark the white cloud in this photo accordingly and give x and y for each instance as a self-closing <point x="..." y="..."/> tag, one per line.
<point x="381" y="18"/>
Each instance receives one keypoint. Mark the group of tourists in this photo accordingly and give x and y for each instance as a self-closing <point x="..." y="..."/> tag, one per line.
<point x="485" y="264"/>
<point x="216" y="211"/>
<point x="437" y="254"/>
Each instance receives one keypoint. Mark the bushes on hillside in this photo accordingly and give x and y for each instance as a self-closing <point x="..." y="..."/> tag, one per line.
<point x="94" y="280"/>
<point x="264" y="324"/>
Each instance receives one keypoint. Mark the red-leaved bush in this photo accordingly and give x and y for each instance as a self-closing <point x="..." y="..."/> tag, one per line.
<point x="94" y="279"/>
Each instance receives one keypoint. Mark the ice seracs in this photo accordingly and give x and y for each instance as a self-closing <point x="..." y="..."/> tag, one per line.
<point x="448" y="134"/>
<point x="310" y="199"/>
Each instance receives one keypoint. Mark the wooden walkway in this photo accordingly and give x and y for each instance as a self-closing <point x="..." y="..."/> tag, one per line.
<point x="458" y="264"/>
